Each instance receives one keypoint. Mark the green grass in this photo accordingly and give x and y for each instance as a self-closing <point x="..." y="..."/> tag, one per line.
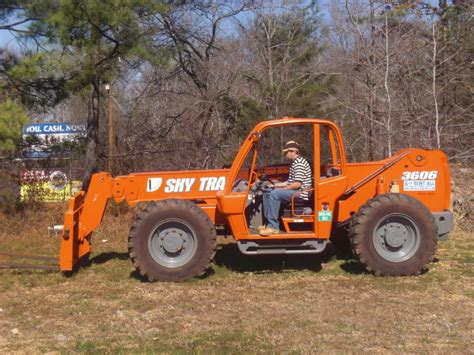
<point x="468" y="259"/>
<point x="204" y="343"/>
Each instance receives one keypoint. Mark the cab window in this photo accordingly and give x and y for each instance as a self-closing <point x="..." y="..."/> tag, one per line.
<point x="329" y="153"/>
<point x="274" y="138"/>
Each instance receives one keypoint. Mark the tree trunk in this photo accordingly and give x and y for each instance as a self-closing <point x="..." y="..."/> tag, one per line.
<point x="371" y="82"/>
<point x="435" y="98"/>
<point x="92" y="141"/>
<point x="388" y="122"/>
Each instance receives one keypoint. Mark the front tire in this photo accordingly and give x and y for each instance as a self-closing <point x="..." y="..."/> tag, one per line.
<point x="172" y="240"/>
<point x="394" y="234"/>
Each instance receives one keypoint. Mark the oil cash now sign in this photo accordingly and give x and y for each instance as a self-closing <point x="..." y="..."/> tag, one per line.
<point x="43" y="135"/>
<point x="54" y="128"/>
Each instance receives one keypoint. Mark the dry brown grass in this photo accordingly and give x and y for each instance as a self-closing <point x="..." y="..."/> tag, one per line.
<point x="271" y="304"/>
<point x="265" y="304"/>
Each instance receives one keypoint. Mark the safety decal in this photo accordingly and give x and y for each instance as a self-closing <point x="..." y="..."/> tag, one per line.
<point x="419" y="180"/>
<point x="324" y="216"/>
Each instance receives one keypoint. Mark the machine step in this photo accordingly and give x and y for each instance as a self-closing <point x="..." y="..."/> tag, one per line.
<point x="272" y="247"/>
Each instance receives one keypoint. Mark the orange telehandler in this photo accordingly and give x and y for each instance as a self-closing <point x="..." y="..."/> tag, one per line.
<point x="395" y="210"/>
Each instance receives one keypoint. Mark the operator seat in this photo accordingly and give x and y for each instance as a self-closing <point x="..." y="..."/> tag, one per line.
<point x="300" y="206"/>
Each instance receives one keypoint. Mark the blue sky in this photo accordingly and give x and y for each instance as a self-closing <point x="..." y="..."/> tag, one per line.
<point x="6" y="39"/>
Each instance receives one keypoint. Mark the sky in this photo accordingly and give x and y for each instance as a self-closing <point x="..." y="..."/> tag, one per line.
<point x="6" y="39"/>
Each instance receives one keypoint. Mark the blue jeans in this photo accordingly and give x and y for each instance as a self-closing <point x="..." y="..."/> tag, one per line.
<point x="271" y="205"/>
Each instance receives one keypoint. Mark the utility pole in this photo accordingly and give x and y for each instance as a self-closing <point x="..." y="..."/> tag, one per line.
<point x="111" y="127"/>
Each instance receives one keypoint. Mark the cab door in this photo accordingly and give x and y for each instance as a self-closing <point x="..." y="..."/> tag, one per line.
<point x="331" y="179"/>
<point x="261" y="155"/>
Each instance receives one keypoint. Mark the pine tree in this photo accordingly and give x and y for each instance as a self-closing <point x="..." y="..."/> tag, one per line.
<point x="12" y="118"/>
<point x="81" y="46"/>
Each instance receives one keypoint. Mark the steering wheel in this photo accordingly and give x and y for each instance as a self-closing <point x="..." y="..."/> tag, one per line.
<point x="260" y="187"/>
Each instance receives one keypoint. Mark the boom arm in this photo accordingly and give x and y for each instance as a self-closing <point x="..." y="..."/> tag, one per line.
<point x="86" y="209"/>
<point x="84" y="214"/>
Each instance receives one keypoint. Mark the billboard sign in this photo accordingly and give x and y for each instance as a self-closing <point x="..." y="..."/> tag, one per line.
<point x="44" y="135"/>
<point x="54" y="128"/>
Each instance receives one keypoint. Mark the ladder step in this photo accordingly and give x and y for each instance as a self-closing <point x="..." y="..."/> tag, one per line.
<point x="253" y="247"/>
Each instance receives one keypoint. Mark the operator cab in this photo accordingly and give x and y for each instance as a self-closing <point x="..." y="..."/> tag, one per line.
<point x="265" y="162"/>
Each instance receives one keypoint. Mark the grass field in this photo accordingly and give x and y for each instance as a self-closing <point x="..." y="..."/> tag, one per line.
<point x="258" y="305"/>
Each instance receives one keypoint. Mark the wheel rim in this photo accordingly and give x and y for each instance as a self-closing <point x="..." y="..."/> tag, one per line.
<point x="172" y="243"/>
<point x="396" y="237"/>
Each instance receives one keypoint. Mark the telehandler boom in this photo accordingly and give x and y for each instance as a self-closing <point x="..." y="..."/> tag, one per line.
<point x="395" y="209"/>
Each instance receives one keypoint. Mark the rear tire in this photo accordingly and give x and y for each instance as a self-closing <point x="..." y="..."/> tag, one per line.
<point x="172" y="240"/>
<point x="394" y="234"/>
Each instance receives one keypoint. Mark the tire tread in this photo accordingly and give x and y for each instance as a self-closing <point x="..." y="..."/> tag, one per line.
<point x="158" y="206"/>
<point x="362" y="218"/>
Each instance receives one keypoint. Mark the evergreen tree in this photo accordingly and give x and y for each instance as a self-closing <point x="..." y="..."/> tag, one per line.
<point x="12" y="118"/>
<point x="283" y="66"/>
<point x="81" y="46"/>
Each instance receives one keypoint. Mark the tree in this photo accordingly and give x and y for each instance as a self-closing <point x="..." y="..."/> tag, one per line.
<point x="200" y="58"/>
<point x="453" y="42"/>
<point x="93" y="37"/>
<point x="186" y="108"/>
<point x="282" y="64"/>
<point x="362" y="50"/>
<point x="12" y="119"/>
<point x="190" y="79"/>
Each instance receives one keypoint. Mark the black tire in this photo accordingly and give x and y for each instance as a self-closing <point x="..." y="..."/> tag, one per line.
<point x="172" y="240"/>
<point x="394" y="234"/>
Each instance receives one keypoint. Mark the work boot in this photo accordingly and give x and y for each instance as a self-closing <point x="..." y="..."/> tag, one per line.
<point x="269" y="231"/>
